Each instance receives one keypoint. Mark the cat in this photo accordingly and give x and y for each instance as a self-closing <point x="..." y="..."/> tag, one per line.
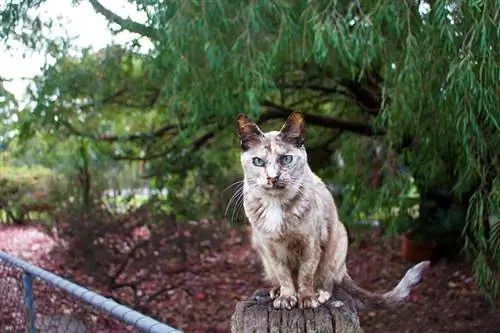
<point x="295" y="224"/>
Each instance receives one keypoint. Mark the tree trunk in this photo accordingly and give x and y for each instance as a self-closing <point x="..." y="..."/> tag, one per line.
<point x="256" y="314"/>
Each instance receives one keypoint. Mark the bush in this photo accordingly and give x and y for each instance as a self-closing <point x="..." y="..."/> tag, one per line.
<point x="24" y="189"/>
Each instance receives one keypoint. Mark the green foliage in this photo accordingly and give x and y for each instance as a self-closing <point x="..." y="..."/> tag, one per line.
<point x="8" y="107"/>
<point x="31" y="179"/>
<point x="420" y="86"/>
<point x="23" y="188"/>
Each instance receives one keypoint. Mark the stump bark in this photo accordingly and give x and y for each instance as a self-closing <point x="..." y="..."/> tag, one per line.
<point x="256" y="314"/>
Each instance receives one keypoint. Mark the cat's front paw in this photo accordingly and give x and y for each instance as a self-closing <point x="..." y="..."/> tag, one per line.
<point x="323" y="296"/>
<point x="285" y="302"/>
<point x="308" y="301"/>
<point x="274" y="292"/>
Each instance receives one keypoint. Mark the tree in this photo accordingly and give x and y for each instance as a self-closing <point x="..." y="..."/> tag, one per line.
<point x="418" y="80"/>
<point x="8" y="107"/>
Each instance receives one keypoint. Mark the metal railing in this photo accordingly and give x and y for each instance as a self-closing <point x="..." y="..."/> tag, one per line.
<point x="34" y="300"/>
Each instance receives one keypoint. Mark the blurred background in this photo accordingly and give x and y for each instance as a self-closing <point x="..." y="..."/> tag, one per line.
<point x="119" y="161"/>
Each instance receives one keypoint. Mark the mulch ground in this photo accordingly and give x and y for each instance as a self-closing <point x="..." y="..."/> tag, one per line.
<point x="198" y="294"/>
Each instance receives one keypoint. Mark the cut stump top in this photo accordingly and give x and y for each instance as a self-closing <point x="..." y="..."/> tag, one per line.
<point x="256" y="314"/>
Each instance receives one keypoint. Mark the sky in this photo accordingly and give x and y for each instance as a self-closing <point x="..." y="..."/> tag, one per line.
<point x="81" y="21"/>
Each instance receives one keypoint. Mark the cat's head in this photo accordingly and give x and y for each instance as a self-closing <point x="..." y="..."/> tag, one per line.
<point x="273" y="161"/>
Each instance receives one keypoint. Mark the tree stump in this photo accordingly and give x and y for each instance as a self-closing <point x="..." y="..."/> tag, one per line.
<point x="256" y="314"/>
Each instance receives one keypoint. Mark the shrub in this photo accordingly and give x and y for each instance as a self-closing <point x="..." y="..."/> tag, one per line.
<point x="25" y="189"/>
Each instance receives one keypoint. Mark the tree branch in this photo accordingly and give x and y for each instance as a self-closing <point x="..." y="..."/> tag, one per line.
<point x="336" y="134"/>
<point x="365" y="91"/>
<point x="113" y="138"/>
<point x="314" y="87"/>
<point x="125" y="23"/>
<point x="275" y="111"/>
<point x="315" y="100"/>
<point x="107" y="99"/>
<point x="158" y="293"/>
<point x="112" y="284"/>
<point x="198" y="143"/>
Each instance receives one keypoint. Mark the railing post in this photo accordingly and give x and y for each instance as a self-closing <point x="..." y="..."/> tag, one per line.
<point x="28" y="302"/>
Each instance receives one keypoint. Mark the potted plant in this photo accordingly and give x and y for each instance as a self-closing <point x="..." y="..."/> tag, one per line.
<point x="418" y="241"/>
<point x="417" y="246"/>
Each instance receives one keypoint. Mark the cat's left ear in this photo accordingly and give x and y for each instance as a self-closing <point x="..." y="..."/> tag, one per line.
<point x="292" y="131"/>
<point x="249" y="133"/>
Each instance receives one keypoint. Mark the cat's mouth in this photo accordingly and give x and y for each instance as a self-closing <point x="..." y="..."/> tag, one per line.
<point x="276" y="186"/>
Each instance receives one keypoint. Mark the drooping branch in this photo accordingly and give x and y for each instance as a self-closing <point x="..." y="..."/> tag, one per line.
<point x="125" y="23"/>
<point x="367" y="94"/>
<point x="149" y="101"/>
<point x="365" y="90"/>
<point x="196" y="145"/>
<point x="113" y="138"/>
<point x="275" y="111"/>
<point x="108" y="99"/>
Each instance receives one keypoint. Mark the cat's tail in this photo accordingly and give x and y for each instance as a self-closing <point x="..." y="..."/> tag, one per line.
<point x="368" y="300"/>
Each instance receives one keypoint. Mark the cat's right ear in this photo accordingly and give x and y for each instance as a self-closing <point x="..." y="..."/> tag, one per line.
<point x="293" y="129"/>
<point x="249" y="133"/>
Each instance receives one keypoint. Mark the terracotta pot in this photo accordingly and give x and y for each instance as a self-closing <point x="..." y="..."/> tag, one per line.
<point x="415" y="252"/>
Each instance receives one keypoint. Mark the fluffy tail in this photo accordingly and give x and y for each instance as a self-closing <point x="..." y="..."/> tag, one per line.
<point x="368" y="300"/>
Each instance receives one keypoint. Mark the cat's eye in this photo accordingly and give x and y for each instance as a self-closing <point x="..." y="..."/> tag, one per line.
<point x="257" y="161"/>
<point x="286" y="159"/>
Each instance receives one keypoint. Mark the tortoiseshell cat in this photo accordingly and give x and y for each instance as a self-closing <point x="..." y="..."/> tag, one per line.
<point x="295" y="225"/>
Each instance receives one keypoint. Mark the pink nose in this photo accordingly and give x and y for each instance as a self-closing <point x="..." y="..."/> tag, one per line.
<point x="272" y="180"/>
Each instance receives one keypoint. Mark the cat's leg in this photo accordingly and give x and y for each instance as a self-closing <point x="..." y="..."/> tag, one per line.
<point x="286" y="299"/>
<point x="269" y="273"/>
<point x="327" y="277"/>
<point x="324" y="288"/>
<point x="332" y="267"/>
<point x="270" y="276"/>
<point x="279" y="275"/>
<point x="284" y="295"/>
<point x="283" y="292"/>
<point x="306" y="276"/>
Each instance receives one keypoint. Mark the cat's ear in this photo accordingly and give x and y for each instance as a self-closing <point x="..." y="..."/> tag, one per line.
<point x="249" y="133"/>
<point x="292" y="131"/>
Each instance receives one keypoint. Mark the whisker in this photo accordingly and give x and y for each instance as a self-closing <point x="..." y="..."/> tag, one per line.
<point x="237" y="199"/>
<point x="233" y="197"/>
<point x="238" y="182"/>
<point x="237" y="208"/>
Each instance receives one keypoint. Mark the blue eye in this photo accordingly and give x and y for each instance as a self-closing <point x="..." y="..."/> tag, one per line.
<point x="258" y="161"/>
<point x="286" y="159"/>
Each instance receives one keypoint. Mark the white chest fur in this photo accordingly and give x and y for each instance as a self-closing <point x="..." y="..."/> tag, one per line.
<point x="272" y="217"/>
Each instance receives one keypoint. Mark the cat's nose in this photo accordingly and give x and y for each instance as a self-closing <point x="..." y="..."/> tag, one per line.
<point x="272" y="180"/>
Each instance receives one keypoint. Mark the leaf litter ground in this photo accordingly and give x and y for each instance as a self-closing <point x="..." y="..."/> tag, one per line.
<point x="197" y="291"/>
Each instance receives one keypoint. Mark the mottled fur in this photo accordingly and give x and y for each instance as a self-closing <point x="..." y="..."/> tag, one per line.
<point x="295" y="225"/>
